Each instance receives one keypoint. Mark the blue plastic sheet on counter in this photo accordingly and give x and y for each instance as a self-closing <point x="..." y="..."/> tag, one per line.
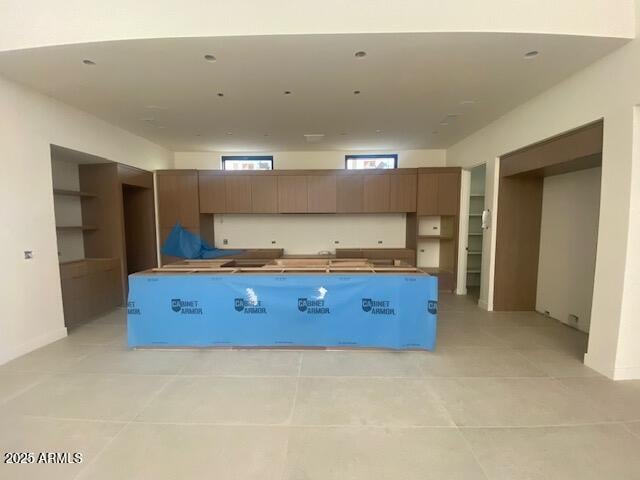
<point x="184" y="244"/>
<point x="393" y="311"/>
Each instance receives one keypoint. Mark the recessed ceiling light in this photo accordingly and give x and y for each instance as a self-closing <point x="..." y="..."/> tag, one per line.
<point x="86" y="61"/>
<point x="356" y="92"/>
<point x="229" y="133"/>
<point x="210" y="58"/>
<point x="467" y="102"/>
<point x="531" y="54"/>
<point x="361" y="54"/>
<point x="220" y="94"/>
<point x="378" y="131"/>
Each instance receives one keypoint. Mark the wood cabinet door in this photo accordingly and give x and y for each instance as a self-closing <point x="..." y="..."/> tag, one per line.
<point x="427" y="194"/>
<point x="212" y="193"/>
<point x="292" y="194"/>
<point x="264" y="194"/>
<point x="238" y="193"/>
<point x="448" y="193"/>
<point x="350" y="193"/>
<point x="321" y="193"/>
<point x="178" y="199"/>
<point x="376" y="193"/>
<point x="402" y="193"/>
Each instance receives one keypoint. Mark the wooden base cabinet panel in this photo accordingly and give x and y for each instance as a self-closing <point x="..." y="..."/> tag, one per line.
<point x="90" y="288"/>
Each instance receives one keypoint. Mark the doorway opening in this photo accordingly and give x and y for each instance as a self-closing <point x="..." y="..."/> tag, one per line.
<point x="547" y="227"/>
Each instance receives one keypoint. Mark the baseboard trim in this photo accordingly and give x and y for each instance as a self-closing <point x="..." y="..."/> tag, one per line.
<point x="627" y="373"/>
<point x="483" y="305"/>
<point x="461" y="291"/>
<point x="33" y="344"/>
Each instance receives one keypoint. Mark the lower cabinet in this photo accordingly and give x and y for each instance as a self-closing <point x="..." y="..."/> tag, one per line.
<point x="90" y="287"/>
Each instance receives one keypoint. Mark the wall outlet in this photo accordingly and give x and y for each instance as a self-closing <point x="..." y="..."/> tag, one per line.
<point x="546" y="313"/>
<point x="273" y="242"/>
<point x="337" y="242"/>
<point x="379" y="242"/>
<point x="28" y="254"/>
<point x="225" y="241"/>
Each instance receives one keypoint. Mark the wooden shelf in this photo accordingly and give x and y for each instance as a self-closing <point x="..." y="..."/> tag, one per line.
<point x="477" y="195"/>
<point x="434" y="237"/>
<point x="72" y="193"/>
<point x="475" y="234"/>
<point x="475" y="214"/>
<point x="84" y="228"/>
<point x="473" y="271"/>
<point x="474" y="252"/>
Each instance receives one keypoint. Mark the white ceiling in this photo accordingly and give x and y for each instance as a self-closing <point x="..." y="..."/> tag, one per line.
<point x="165" y="91"/>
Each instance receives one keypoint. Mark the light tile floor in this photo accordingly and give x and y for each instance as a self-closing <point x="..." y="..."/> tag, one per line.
<point x="505" y="396"/>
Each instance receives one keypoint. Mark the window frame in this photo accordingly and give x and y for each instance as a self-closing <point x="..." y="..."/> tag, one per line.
<point x="250" y="158"/>
<point x="394" y="156"/>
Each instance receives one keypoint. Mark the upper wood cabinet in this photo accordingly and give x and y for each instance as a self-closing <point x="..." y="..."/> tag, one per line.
<point x="438" y="192"/>
<point x="448" y="193"/>
<point x="349" y="193"/>
<point x="376" y="193"/>
<point x="178" y="198"/>
<point x="292" y="194"/>
<point x="212" y="193"/>
<point x="321" y="193"/>
<point x="238" y="193"/>
<point x="402" y="192"/>
<point x="264" y="194"/>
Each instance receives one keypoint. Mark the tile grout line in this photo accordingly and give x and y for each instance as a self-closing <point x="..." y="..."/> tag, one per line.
<point x="339" y="425"/>
<point x="289" y="421"/>
<point x="473" y="453"/>
<point x="122" y="428"/>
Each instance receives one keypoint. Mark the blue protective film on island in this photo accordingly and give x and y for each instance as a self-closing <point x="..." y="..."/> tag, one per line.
<point x="199" y="310"/>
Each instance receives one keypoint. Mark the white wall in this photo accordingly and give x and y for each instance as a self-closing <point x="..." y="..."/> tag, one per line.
<point x="310" y="160"/>
<point x="568" y="243"/>
<point x="29" y="289"/>
<point x="68" y="209"/>
<point x="606" y="89"/>
<point x="33" y="23"/>
<point x="310" y="234"/>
